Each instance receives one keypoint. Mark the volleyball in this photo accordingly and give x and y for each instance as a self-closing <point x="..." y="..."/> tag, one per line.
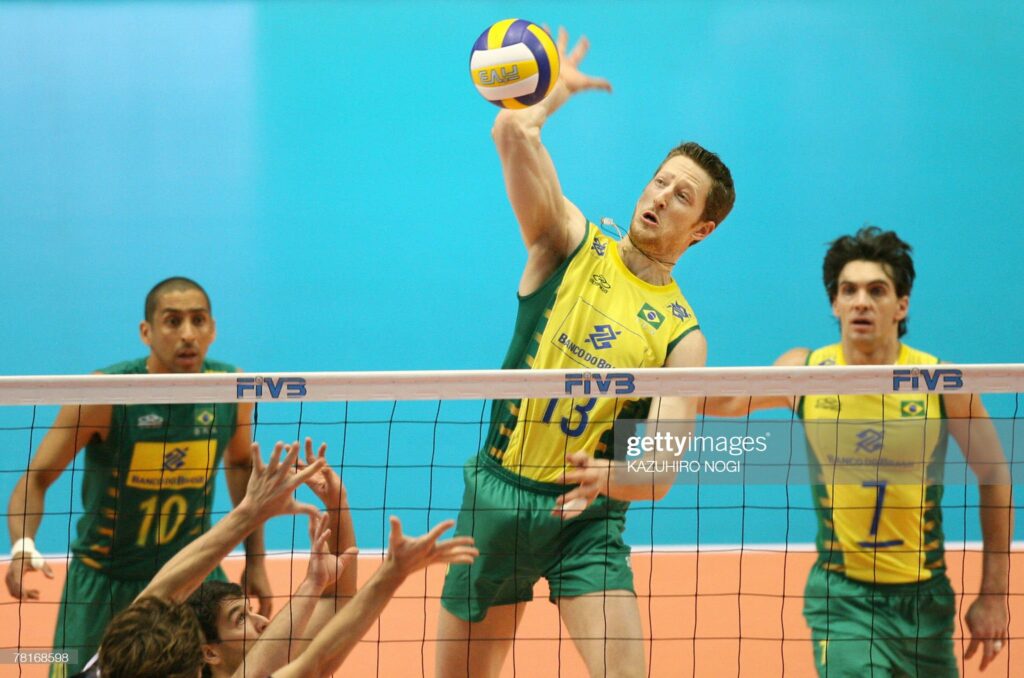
<point x="514" y="63"/>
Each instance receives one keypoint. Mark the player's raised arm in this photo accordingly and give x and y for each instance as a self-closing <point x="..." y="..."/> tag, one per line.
<point x="281" y="639"/>
<point x="269" y="493"/>
<point x="327" y="485"/>
<point x="405" y="555"/>
<point x="551" y="226"/>
<point x="741" y="406"/>
<point x="237" y="469"/>
<point x="73" y="428"/>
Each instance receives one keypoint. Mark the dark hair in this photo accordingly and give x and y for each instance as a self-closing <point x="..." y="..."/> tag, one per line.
<point x="871" y="243"/>
<point x="174" y="284"/>
<point x="152" y="638"/>
<point x="205" y="603"/>
<point x="722" y="193"/>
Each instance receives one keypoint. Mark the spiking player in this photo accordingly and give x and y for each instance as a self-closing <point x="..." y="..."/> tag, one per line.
<point x="878" y="600"/>
<point x="585" y="302"/>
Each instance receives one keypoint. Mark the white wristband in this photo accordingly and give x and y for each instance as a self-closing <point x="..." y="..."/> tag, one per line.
<point x="28" y="545"/>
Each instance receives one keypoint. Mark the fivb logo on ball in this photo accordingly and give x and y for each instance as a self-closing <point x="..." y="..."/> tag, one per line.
<point x="514" y="63"/>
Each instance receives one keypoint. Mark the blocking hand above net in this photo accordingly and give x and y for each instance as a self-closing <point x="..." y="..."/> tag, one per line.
<point x="245" y="643"/>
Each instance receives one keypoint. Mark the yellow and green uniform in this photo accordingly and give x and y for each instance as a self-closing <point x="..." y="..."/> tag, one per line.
<point x="878" y="595"/>
<point x="593" y="315"/>
<point x="147" y="491"/>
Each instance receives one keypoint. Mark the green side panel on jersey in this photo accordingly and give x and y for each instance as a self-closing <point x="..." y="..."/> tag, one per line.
<point x="530" y="324"/>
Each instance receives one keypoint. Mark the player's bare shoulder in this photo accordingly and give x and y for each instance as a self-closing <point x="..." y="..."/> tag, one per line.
<point x="794" y="357"/>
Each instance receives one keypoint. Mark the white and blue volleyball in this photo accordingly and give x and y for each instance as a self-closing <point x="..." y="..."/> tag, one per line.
<point x="514" y="63"/>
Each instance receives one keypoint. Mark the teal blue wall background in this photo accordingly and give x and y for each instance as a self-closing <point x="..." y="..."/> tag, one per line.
<point x="326" y="171"/>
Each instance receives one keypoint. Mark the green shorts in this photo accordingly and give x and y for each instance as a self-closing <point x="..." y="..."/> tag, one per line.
<point x="869" y="631"/>
<point x="89" y="601"/>
<point x="520" y="541"/>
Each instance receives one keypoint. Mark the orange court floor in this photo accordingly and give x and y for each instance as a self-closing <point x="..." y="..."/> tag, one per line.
<point x="710" y="614"/>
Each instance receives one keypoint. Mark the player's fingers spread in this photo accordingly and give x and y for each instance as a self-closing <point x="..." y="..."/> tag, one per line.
<point x="563" y="40"/>
<point x="45" y="569"/>
<point x="451" y="554"/>
<point x="275" y="457"/>
<point x="992" y="648"/>
<point x="291" y="455"/>
<point x="298" y="507"/>
<point x="460" y="558"/>
<point x="396" y="529"/>
<point x="439" y="529"/>
<point x="322" y="452"/>
<point x="987" y="655"/>
<point x="971" y="648"/>
<point x="308" y="472"/>
<point x="257" y="458"/>
<point x="580" y="50"/>
<point x="451" y="545"/>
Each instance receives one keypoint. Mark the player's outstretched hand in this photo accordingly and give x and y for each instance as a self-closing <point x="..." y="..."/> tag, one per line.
<point x="569" y="72"/>
<point x="271" y="485"/>
<point x="591" y="476"/>
<point x="326" y="484"/>
<point x="408" y="554"/>
<point x="20" y="565"/>
<point x="324" y="567"/>
<point x="988" y="619"/>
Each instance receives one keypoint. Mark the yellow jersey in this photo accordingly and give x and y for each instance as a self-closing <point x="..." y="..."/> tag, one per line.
<point x="591" y="314"/>
<point x="876" y="464"/>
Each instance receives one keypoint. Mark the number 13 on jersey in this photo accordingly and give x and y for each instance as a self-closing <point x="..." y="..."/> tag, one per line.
<point x="575" y="424"/>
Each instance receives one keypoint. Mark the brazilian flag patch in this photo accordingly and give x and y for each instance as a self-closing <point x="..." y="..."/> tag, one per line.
<point x="651" y="316"/>
<point x="911" y="408"/>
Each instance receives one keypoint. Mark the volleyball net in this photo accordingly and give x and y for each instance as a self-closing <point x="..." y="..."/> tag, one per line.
<point x="720" y="564"/>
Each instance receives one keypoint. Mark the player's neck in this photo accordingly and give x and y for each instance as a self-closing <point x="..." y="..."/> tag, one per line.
<point x="153" y="366"/>
<point x="883" y="352"/>
<point x="643" y="265"/>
